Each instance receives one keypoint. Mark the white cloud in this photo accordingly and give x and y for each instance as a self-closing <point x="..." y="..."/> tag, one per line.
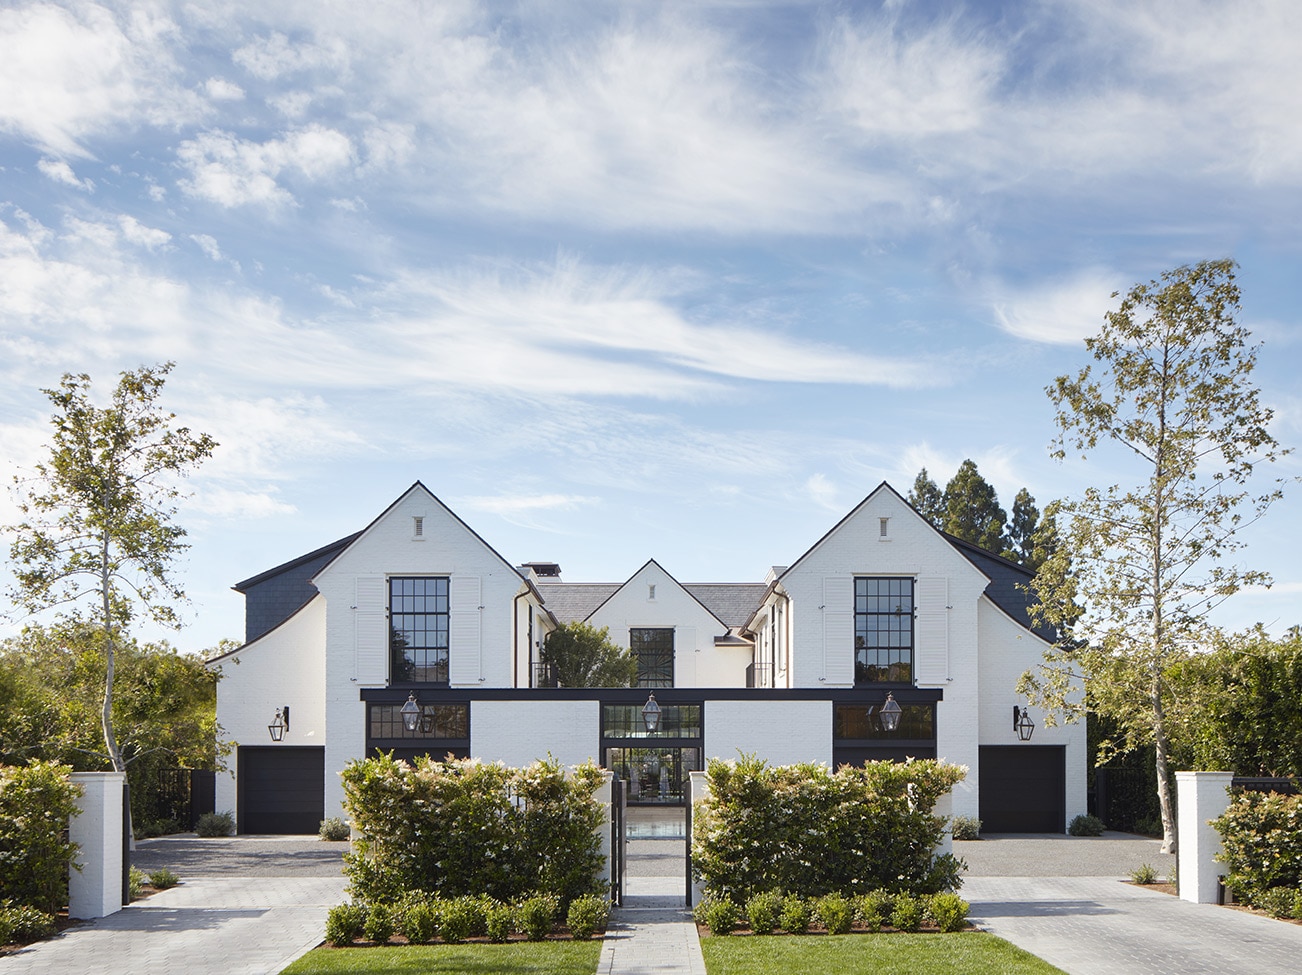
<point x="61" y="172"/>
<point x="273" y="56"/>
<point x="235" y="172"/>
<point x="1062" y="311"/>
<point x="208" y="245"/>
<point x="71" y="74"/>
<point x="516" y="504"/>
<point x="824" y="493"/>
<point x="137" y="233"/>
<point x="221" y="90"/>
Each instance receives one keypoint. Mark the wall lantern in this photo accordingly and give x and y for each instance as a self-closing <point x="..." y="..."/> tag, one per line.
<point x="279" y="724"/>
<point x="889" y="716"/>
<point x="410" y="713"/>
<point x="651" y="714"/>
<point x="1022" y="723"/>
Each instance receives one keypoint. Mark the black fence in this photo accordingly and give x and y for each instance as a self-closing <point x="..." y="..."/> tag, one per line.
<point x="180" y="796"/>
<point x="1126" y="798"/>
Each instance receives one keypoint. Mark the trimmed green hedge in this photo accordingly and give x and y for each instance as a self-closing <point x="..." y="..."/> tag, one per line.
<point x="807" y="830"/>
<point x="35" y="803"/>
<point x="1261" y="839"/>
<point x="465" y="827"/>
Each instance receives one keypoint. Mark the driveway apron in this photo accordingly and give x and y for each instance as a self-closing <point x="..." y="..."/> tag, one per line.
<point x="1065" y="899"/>
<point x="246" y="906"/>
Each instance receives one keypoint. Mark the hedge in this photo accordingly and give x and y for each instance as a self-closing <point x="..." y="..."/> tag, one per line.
<point x="465" y="827"/>
<point x="806" y="830"/>
<point x="1261" y="839"/>
<point x="36" y="801"/>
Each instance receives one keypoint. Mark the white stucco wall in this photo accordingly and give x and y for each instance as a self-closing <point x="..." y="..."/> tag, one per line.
<point x="285" y="666"/>
<point x="520" y="732"/>
<point x="780" y="732"/>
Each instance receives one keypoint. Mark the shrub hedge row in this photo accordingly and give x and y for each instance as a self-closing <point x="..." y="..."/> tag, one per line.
<point x="35" y="803"/>
<point x="1261" y="840"/>
<point x="771" y="910"/>
<point x="466" y="828"/>
<point x="421" y="918"/>
<point x="806" y="830"/>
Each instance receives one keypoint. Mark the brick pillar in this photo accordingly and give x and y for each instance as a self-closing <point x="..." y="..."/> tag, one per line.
<point x="96" y="889"/>
<point x="1200" y="797"/>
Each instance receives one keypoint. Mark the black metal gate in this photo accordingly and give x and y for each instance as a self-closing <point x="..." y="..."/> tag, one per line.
<point x="618" y="841"/>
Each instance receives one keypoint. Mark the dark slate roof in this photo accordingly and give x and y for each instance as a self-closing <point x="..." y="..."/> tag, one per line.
<point x="274" y="596"/>
<point x="571" y="602"/>
<point x="1009" y="584"/>
<point x="731" y="602"/>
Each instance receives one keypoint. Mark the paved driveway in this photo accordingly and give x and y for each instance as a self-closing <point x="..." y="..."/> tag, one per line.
<point x="246" y="906"/>
<point x="1065" y="899"/>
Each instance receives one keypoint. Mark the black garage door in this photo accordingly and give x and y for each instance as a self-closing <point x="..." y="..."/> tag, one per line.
<point x="282" y="790"/>
<point x="1023" y="789"/>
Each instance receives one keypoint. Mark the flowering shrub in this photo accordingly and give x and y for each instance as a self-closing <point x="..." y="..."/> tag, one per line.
<point x="1261" y="840"/>
<point x="809" y="831"/>
<point x="464" y="827"/>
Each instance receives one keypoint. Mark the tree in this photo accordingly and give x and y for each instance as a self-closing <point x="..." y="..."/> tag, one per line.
<point x="1020" y="531"/>
<point x="97" y="517"/>
<point x="972" y="510"/>
<point x="580" y="655"/>
<point x="1149" y="562"/>
<point x="927" y="499"/>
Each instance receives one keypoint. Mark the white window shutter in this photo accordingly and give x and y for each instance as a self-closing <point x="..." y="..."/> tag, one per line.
<point x="931" y="631"/>
<point x="838" y="629"/>
<point x="464" y="666"/>
<point x="685" y="656"/>
<point x="371" y="631"/>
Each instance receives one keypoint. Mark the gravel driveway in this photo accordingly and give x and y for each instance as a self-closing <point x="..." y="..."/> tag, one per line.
<point x="187" y="856"/>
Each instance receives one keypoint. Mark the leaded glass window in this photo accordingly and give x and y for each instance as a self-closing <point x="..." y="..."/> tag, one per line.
<point x="418" y="630"/>
<point x="654" y="650"/>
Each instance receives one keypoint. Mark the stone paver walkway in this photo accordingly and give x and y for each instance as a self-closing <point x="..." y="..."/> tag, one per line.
<point x="653" y="933"/>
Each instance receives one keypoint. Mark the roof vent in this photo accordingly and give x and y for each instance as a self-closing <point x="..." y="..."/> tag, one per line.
<point x="545" y="570"/>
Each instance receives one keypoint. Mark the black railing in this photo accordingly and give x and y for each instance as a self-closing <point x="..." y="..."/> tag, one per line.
<point x="544" y="676"/>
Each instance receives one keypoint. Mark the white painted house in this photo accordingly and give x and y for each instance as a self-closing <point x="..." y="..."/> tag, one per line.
<point x="794" y="668"/>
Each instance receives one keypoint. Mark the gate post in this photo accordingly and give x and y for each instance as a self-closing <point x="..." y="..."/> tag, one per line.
<point x="95" y="890"/>
<point x="700" y="789"/>
<point x="1200" y="797"/>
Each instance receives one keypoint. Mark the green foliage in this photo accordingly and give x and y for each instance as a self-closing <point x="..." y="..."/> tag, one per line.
<point x="379" y="924"/>
<point x="468" y="827"/>
<point x="809" y="831"/>
<point x="22" y="924"/>
<point x="1149" y="559"/>
<point x="796" y="914"/>
<point x="458" y="919"/>
<point x="163" y="879"/>
<point x="516" y="958"/>
<point x="906" y="913"/>
<point x="835" y="913"/>
<point x="587" y="915"/>
<point x="97" y="525"/>
<point x="344" y="924"/>
<point x="1261" y="843"/>
<point x="948" y="911"/>
<point x="536" y="915"/>
<point x="763" y="911"/>
<point x="927" y="499"/>
<point x="972" y="510"/>
<point x="1144" y="874"/>
<point x="35" y="803"/>
<point x="1085" y="825"/>
<point x="418" y="921"/>
<point x="581" y="655"/>
<point x="965" y="828"/>
<point x="498" y="922"/>
<point x="215" y="824"/>
<point x="874" y="908"/>
<point x="720" y="915"/>
<point x="1277" y="901"/>
<point x="334" y="829"/>
<point x="135" y="883"/>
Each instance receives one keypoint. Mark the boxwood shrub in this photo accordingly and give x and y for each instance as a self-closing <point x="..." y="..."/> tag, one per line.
<point x="1261" y="843"/>
<point x="35" y="803"/>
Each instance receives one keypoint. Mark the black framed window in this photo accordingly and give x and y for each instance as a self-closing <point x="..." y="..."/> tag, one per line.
<point x="418" y="630"/>
<point x="626" y="721"/>
<point x="654" y="650"/>
<point x="853" y="722"/>
<point x="436" y="721"/>
<point x="883" y="630"/>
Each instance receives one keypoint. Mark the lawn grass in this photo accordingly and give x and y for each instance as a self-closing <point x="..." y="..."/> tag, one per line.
<point x="972" y="953"/>
<point x="515" y="958"/>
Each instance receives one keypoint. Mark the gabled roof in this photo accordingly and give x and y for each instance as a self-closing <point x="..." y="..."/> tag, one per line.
<point x="731" y="602"/>
<point x="573" y="602"/>
<point x="455" y="517"/>
<point x="671" y="578"/>
<point x="1009" y="587"/>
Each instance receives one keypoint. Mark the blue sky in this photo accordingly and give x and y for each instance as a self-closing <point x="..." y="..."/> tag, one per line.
<point x="622" y="281"/>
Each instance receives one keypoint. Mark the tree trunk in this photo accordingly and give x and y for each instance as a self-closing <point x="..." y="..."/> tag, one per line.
<point x="106" y="714"/>
<point x="1161" y="748"/>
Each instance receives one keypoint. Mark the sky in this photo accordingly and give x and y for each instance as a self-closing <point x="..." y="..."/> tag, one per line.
<point x="619" y="281"/>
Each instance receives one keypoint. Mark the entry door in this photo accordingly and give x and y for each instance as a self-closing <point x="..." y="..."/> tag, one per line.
<point x="281" y="790"/>
<point x="1023" y="789"/>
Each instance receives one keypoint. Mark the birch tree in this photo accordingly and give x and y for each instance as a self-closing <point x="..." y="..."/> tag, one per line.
<point x="1173" y="406"/>
<point x="97" y="541"/>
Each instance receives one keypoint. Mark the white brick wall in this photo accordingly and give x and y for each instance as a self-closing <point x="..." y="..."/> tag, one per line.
<point x="284" y="667"/>
<point x="518" y="733"/>
<point x="780" y="732"/>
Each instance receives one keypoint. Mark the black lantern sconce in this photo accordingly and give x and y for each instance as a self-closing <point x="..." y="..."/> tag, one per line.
<point x="1022" y="723"/>
<point x="411" y="713"/>
<point x="651" y="714"/>
<point x="889" y="716"/>
<point x="279" y="724"/>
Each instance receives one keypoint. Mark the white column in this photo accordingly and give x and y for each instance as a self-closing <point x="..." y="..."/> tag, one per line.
<point x="96" y="889"/>
<point x="603" y="796"/>
<point x="945" y="807"/>
<point x="699" y="789"/>
<point x="1200" y="798"/>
